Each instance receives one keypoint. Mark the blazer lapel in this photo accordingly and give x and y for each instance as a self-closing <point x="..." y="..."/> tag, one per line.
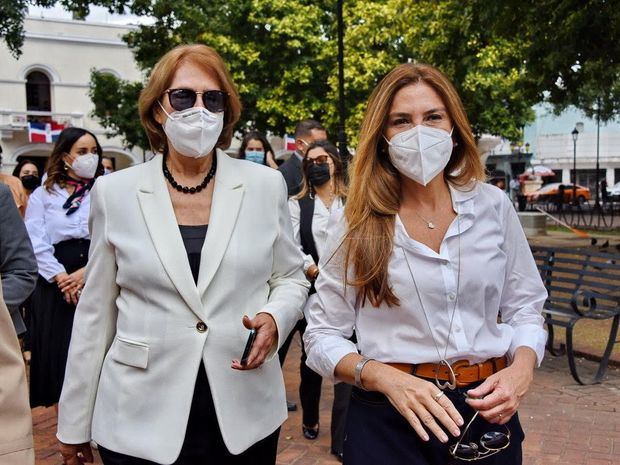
<point x="164" y="231"/>
<point x="227" y="197"/>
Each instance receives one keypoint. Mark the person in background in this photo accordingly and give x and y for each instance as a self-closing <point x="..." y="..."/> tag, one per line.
<point x="430" y="267"/>
<point x="17" y="190"/>
<point x="18" y="265"/>
<point x="323" y="192"/>
<point x="57" y="223"/>
<point x="16" y="444"/>
<point x="27" y="171"/>
<point x="306" y="132"/>
<point x="515" y="188"/>
<point x="155" y="372"/>
<point x="108" y="165"/>
<point x="255" y="147"/>
<point x="18" y="274"/>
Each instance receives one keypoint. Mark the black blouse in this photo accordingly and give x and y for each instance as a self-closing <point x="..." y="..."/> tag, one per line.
<point x="193" y="239"/>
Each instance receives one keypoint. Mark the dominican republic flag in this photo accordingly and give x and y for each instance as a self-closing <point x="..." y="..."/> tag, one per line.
<point x="289" y="143"/>
<point x="44" y="132"/>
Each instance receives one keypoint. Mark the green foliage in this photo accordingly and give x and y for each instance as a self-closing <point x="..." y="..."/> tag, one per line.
<point x="116" y="106"/>
<point x="503" y="57"/>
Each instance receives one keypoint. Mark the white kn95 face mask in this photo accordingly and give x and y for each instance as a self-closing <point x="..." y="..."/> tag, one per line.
<point x="421" y="153"/>
<point x="193" y="132"/>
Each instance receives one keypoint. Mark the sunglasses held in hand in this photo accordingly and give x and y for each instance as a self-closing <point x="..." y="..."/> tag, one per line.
<point x="489" y="444"/>
<point x="182" y="99"/>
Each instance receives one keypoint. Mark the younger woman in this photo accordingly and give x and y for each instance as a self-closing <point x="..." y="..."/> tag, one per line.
<point x="57" y="223"/>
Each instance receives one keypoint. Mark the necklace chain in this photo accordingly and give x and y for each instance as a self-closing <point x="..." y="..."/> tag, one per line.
<point x="442" y="360"/>
<point x="185" y="189"/>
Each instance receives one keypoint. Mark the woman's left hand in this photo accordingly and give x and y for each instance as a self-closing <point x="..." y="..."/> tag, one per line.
<point x="498" y="397"/>
<point x="266" y="338"/>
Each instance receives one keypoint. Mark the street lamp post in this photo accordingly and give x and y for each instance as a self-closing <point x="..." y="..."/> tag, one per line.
<point x="342" y="135"/>
<point x="575" y="135"/>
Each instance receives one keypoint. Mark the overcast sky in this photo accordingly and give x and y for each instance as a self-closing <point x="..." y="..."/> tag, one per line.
<point x="97" y="14"/>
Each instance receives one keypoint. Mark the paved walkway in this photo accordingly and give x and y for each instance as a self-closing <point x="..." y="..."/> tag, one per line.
<point x="564" y="423"/>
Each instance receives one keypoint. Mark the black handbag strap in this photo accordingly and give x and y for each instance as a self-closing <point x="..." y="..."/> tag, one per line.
<point x="306" y="212"/>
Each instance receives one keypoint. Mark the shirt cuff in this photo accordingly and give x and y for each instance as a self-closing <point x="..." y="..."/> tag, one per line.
<point x="49" y="272"/>
<point x="325" y="357"/>
<point x="532" y="336"/>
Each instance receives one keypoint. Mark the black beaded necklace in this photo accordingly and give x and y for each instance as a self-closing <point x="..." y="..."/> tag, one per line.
<point x="185" y="189"/>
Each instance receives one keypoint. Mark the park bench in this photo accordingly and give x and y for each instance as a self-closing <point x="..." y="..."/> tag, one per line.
<point x="581" y="283"/>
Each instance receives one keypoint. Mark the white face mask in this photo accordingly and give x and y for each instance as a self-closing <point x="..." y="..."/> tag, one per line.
<point x="421" y="153"/>
<point x="85" y="166"/>
<point x="193" y="132"/>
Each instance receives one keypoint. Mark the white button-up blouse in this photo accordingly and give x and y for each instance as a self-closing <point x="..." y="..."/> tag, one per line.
<point x="493" y="294"/>
<point x="320" y="220"/>
<point x="48" y="224"/>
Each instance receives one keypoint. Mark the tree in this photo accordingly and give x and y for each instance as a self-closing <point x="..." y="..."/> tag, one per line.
<point x="571" y="49"/>
<point x="116" y="106"/>
<point x="502" y="56"/>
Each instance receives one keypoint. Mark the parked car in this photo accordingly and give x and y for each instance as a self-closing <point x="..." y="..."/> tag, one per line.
<point x="550" y="193"/>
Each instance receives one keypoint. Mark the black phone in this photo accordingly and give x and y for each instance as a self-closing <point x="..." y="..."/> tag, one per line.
<point x="248" y="347"/>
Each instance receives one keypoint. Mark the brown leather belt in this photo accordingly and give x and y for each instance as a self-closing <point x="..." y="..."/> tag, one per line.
<point x="464" y="372"/>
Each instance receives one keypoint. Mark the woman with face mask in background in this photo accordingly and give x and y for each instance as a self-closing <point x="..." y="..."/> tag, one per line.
<point x="256" y="148"/>
<point x="28" y="173"/>
<point x="323" y="191"/>
<point x="191" y="251"/>
<point x="57" y="223"/>
<point x="421" y="265"/>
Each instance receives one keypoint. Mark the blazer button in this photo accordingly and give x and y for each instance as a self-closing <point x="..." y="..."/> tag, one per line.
<point x="201" y="327"/>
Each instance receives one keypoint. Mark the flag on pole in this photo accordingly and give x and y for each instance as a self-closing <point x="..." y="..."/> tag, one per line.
<point x="289" y="143"/>
<point x="44" y="132"/>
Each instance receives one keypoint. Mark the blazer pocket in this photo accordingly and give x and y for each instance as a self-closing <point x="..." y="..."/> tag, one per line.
<point x="135" y="354"/>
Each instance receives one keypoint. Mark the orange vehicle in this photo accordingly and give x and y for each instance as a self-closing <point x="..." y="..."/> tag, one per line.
<point x="550" y="193"/>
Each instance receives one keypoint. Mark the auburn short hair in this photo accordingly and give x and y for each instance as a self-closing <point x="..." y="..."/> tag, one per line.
<point x="161" y="78"/>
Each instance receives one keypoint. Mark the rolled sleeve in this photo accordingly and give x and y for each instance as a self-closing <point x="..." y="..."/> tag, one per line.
<point x="331" y="316"/>
<point x="524" y="293"/>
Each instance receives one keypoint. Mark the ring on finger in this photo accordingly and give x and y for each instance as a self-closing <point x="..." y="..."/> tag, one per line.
<point x="438" y="396"/>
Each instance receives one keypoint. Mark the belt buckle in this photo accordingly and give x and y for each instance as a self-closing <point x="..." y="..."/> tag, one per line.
<point x="457" y="368"/>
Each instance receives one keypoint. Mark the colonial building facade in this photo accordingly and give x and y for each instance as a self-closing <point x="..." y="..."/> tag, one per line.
<point x="48" y="84"/>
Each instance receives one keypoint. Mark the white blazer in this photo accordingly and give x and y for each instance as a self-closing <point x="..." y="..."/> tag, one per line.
<point x="139" y="331"/>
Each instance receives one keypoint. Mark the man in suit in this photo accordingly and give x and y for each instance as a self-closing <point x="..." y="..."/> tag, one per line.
<point x="18" y="265"/>
<point x="306" y="132"/>
<point x="18" y="272"/>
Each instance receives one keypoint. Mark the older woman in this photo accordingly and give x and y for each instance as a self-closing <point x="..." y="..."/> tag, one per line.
<point x="153" y="373"/>
<point x="423" y="263"/>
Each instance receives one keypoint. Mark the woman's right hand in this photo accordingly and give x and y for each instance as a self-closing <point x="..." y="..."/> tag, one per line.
<point x="76" y="454"/>
<point x="421" y="403"/>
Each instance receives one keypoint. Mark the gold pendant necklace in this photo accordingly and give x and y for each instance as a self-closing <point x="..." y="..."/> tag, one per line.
<point x="429" y="224"/>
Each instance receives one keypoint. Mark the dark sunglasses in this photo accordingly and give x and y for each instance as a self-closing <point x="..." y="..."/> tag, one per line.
<point x="182" y="99"/>
<point x="489" y="444"/>
<point x="320" y="160"/>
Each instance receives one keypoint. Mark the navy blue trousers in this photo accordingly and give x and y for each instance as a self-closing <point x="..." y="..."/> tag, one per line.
<point x="377" y="434"/>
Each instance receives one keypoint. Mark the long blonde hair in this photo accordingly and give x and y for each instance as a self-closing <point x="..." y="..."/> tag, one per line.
<point x="375" y="185"/>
